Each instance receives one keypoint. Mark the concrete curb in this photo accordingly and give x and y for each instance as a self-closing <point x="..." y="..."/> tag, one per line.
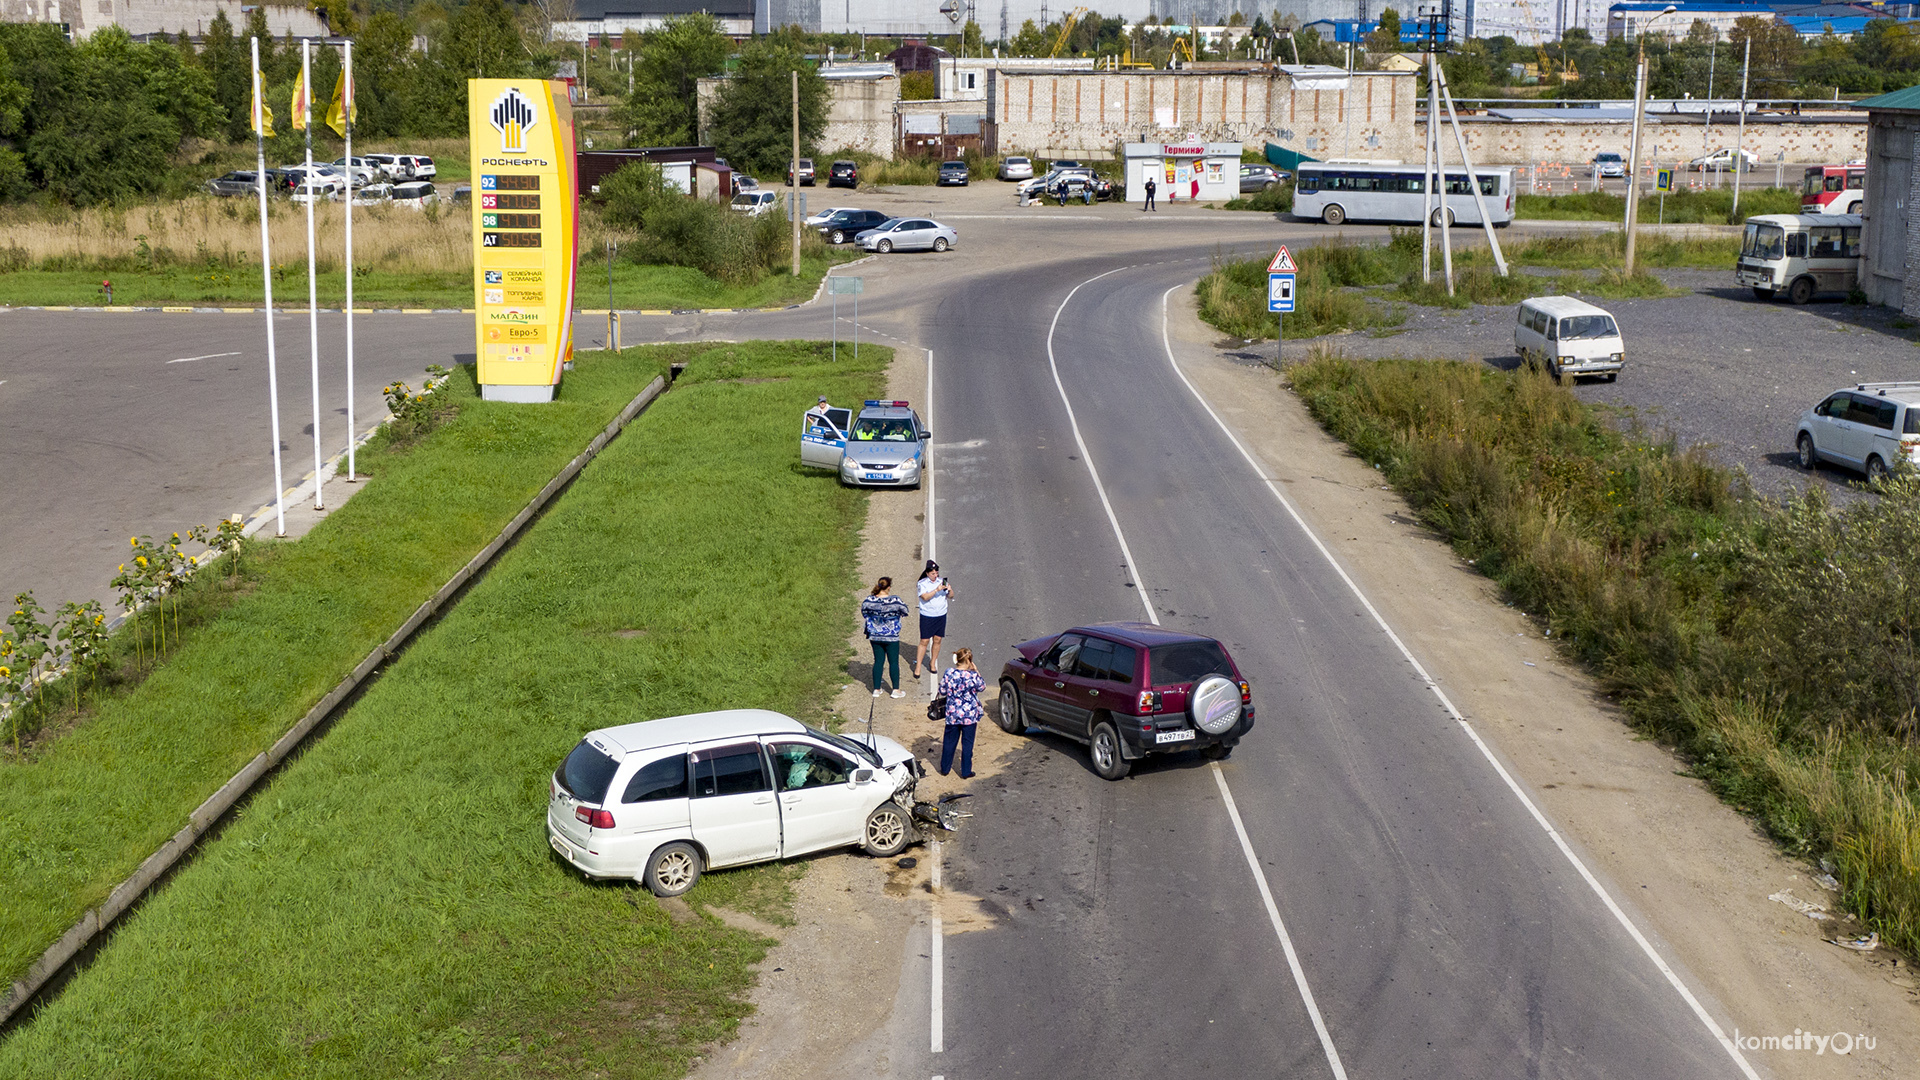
<point x="83" y="932"/>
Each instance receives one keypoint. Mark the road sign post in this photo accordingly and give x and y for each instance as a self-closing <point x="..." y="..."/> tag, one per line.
<point x="851" y="286"/>
<point x="1280" y="281"/>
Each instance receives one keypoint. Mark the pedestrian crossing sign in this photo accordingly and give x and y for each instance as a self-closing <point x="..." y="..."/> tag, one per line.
<point x="1282" y="262"/>
<point x="1663" y="180"/>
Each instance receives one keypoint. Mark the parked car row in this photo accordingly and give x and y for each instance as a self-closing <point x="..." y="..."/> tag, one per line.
<point x="328" y="180"/>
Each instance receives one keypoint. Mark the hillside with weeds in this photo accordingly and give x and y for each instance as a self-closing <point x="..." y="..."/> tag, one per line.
<point x="1772" y="643"/>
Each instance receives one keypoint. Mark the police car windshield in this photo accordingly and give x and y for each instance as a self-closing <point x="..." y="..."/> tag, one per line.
<point x="877" y="429"/>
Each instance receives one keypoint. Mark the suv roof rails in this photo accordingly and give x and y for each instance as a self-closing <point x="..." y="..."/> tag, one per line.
<point x="1883" y="387"/>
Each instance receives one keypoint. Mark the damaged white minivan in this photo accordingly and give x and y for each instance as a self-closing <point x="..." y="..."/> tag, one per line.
<point x="664" y="800"/>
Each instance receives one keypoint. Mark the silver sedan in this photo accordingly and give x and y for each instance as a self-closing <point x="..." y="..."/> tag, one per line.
<point x="907" y="234"/>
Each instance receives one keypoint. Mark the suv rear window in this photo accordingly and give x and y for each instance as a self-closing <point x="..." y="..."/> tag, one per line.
<point x="586" y="773"/>
<point x="1187" y="661"/>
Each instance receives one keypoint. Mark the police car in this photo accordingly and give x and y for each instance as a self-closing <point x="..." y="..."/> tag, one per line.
<point x="885" y="445"/>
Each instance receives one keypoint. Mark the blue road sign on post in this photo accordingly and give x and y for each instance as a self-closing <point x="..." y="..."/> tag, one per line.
<point x="1279" y="293"/>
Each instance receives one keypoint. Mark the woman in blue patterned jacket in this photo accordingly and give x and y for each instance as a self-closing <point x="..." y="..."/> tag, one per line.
<point x="882" y="612"/>
<point x="961" y="685"/>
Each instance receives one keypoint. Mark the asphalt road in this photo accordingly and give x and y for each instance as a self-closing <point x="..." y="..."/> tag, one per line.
<point x="1437" y="927"/>
<point x="123" y="424"/>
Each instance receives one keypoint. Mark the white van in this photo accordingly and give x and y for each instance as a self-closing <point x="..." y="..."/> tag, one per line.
<point x="1569" y="337"/>
<point x="1800" y="255"/>
<point x="661" y="801"/>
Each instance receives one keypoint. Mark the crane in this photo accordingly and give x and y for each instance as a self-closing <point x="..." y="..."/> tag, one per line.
<point x="1066" y="28"/>
<point x="1539" y="39"/>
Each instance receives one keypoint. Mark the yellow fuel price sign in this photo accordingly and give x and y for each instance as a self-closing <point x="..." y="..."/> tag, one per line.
<point x="525" y="211"/>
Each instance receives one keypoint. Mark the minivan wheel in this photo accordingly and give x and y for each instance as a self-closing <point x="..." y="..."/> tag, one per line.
<point x="1008" y="715"/>
<point x="672" y="869"/>
<point x="1334" y="214"/>
<point x="1809" y="458"/>
<point x="1801" y="291"/>
<point x="1104" y="750"/>
<point x="888" y="832"/>
<point x="1876" y="470"/>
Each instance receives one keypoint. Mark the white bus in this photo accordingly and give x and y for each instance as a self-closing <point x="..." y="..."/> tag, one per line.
<point x="1800" y="255"/>
<point x="1394" y="192"/>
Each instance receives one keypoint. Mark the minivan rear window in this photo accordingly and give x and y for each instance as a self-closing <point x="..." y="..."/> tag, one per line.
<point x="1187" y="661"/>
<point x="586" y="773"/>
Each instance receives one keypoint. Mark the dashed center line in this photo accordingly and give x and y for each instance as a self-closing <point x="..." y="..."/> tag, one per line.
<point x="209" y="356"/>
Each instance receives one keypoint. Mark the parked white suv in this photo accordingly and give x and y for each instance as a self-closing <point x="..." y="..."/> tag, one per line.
<point x="664" y="800"/>
<point x="1871" y="427"/>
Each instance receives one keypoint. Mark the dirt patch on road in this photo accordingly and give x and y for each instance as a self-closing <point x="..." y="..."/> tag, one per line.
<point x="1694" y="875"/>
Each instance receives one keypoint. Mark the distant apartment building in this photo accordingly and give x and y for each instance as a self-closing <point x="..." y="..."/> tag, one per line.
<point x="81" y="18"/>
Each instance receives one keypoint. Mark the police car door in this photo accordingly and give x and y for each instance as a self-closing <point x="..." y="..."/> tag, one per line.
<point x="823" y="434"/>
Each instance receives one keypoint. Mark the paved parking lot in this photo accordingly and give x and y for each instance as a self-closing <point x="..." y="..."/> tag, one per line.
<point x="1716" y="366"/>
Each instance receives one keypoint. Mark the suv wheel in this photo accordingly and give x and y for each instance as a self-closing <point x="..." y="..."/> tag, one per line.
<point x="672" y="869"/>
<point x="1216" y="752"/>
<point x="1104" y="750"/>
<point x="1809" y="457"/>
<point x="838" y="237"/>
<point x="1876" y="470"/>
<point x="887" y="832"/>
<point x="1213" y="705"/>
<point x="1009" y="715"/>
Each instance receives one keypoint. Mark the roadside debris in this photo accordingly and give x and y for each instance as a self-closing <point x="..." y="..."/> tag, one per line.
<point x="1859" y="944"/>
<point x="1811" y="911"/>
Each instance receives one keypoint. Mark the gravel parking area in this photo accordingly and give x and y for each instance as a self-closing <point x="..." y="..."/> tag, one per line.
<point x="1716" y="367"/>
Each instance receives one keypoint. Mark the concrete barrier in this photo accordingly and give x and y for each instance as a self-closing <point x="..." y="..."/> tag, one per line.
<point x="155" y="866"/>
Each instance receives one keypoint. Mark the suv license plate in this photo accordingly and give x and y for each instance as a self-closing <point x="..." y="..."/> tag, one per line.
<point x="1174" y="736"/>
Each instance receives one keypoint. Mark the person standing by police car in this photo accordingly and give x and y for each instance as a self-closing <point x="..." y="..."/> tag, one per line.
<point x="934" y="592"/>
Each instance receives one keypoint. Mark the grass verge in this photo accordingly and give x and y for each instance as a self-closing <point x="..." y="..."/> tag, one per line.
<point x="389" y="905"/>
<point x="1768" y="641"/>
<point x="634" y="286"/>
<point x="1711" y="206"/>
<point x="142" y="760"/>
<point x="1344" y="286"/>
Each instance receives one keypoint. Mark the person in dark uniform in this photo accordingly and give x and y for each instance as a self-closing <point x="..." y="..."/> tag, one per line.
<point x="1151" y="188"/>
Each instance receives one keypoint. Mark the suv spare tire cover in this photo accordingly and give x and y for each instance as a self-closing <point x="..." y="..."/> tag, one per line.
<point x="1214" y="704"/>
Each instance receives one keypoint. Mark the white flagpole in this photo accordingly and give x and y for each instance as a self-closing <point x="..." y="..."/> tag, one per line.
<point x="348" y="103"/>
<point x="266" y="275"/>
<point x="313" y="283"/>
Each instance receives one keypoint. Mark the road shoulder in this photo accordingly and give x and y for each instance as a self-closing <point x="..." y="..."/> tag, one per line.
<point x="1692" y="873"/>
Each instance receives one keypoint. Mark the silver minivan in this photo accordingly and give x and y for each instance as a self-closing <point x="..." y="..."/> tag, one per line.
<point x="661" y="801"/>
<point x="1871" y="427"/>
<point x="1569" y="337"/>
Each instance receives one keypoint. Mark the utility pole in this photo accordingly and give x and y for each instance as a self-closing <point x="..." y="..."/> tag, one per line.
<point x="1639" y="111"/>
<point x="1740" y="140"/>
<point x="793" y="176"/>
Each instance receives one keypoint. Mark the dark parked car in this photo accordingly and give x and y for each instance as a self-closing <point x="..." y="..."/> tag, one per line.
<point x="953" y="173"/>
<point x="1128" y="690"/>
<point x="1261" y="177"/>
<point x="843" y="226"/>
<point x="843" y="174"/>
<point x="234" y="183"/>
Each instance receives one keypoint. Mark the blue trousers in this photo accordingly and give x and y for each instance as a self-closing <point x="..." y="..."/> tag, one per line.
<point x="962" y="734"/>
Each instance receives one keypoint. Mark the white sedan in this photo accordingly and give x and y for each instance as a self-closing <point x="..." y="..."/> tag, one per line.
<point x="662" y="801"/>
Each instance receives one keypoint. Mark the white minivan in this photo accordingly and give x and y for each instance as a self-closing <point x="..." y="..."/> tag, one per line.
<point x="662" y="801"/>
<point x="1569" y="337"/>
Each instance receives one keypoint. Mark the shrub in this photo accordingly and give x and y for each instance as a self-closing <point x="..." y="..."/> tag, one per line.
<point x="675" y="230"/>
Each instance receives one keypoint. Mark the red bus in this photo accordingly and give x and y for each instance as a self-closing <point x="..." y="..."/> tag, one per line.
<point x="1834" y="189"/>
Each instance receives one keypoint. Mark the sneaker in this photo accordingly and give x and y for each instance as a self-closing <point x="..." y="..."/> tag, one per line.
<point x="877" y="692"/>
<point x="896" y="693"/>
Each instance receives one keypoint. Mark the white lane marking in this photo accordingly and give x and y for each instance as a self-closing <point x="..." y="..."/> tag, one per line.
<point x="937" y="952"/>
<point x="1139" y="585"/>
<point x="1233" y="811"/>
<point x="1513" y="785"/>
<point x="926" y="466"/>
<point x="209" y="356"/>
<point x="1279" y="927"/>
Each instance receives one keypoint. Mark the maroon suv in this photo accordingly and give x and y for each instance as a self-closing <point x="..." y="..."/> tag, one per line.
<point x="1128" y="690"/>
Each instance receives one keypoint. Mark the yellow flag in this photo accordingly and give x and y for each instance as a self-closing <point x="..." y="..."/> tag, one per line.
<point x="344" y="108"/>
<point x="263" y="116"/>
<point x="300" y="103"/>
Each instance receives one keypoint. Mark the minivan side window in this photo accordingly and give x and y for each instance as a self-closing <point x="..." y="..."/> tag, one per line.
<point x="656" y="780"/>
<point x="1835" y="407"/>
<point x="729" y="770"/>
<point x="1553" y="330"/>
